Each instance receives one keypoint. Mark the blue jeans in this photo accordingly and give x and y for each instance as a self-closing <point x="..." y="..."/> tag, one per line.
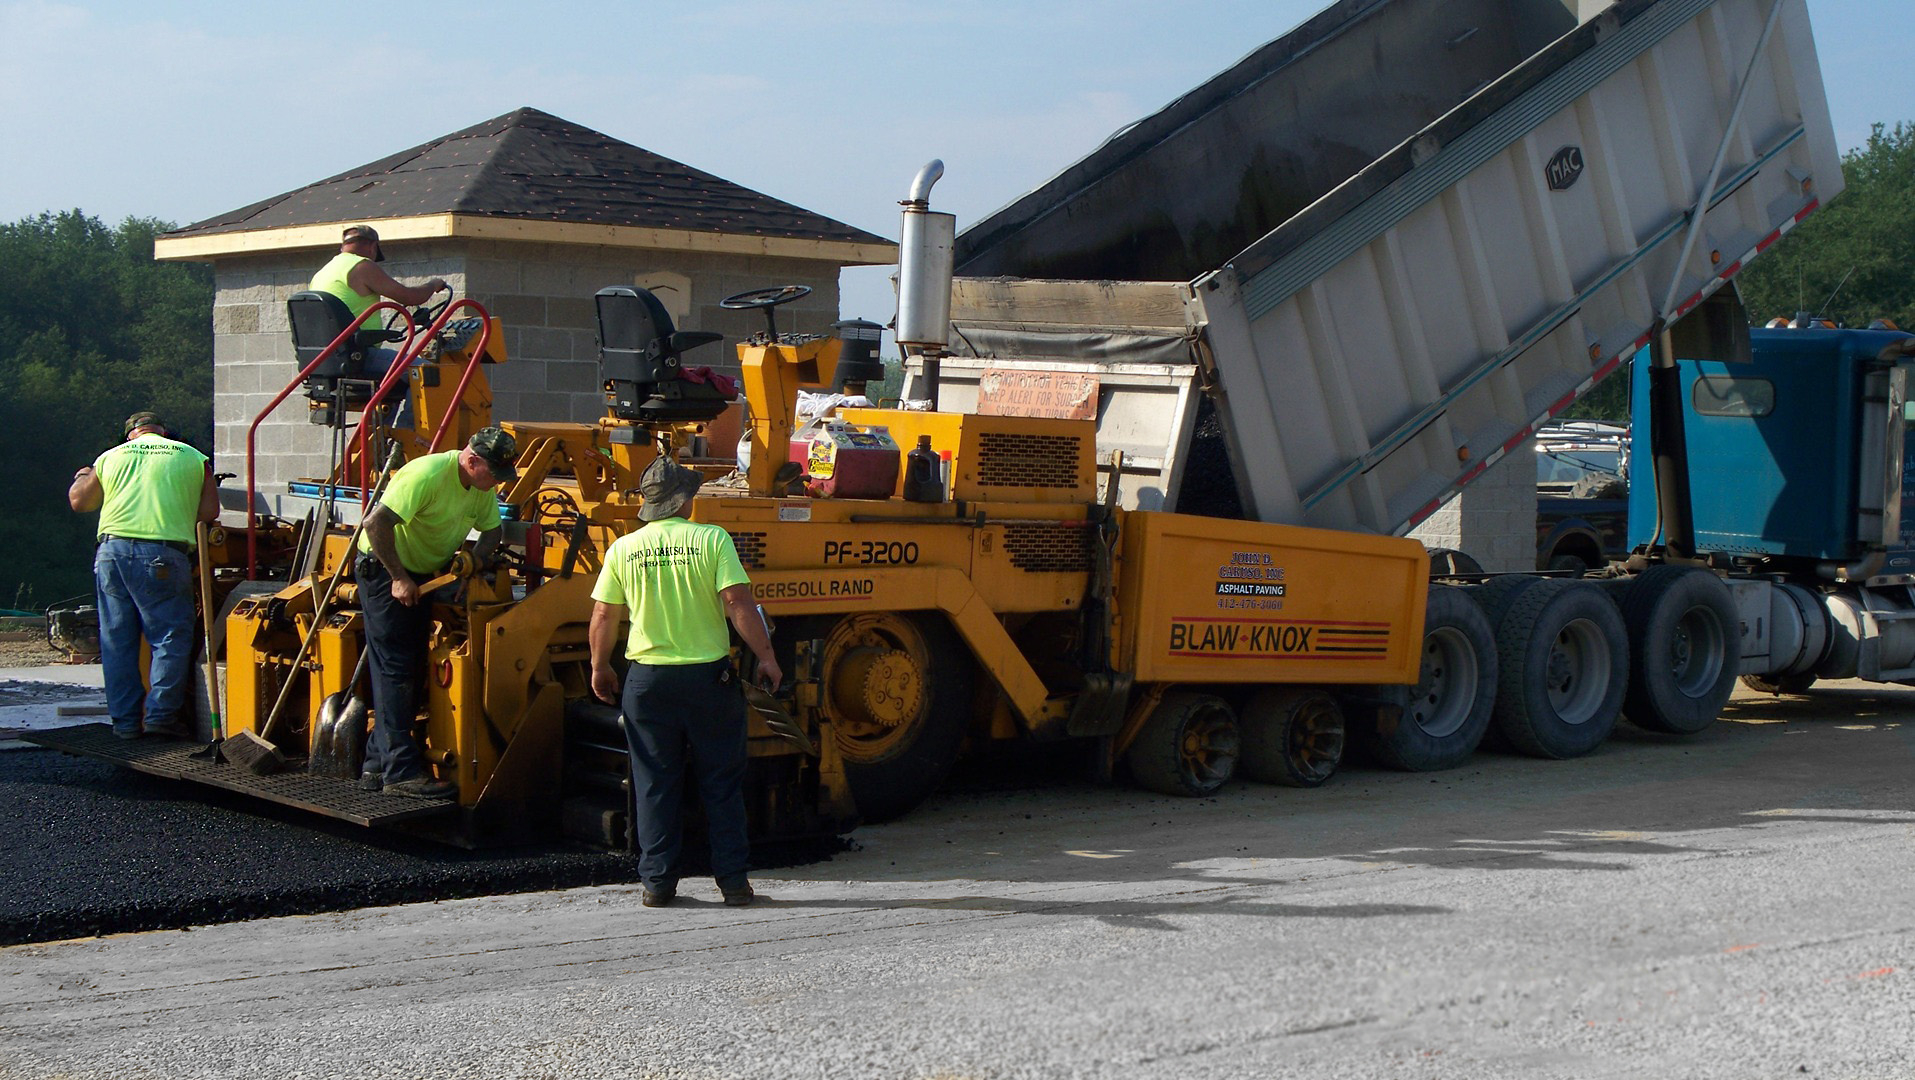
<point x="673" y="713"/>
<point x="145" y="589"/>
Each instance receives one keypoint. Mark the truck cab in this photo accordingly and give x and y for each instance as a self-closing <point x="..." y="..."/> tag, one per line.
<point x="1796" y="459"/>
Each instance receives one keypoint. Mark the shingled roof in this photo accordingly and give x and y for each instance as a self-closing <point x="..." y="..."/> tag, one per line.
<point x="531" y="166"/>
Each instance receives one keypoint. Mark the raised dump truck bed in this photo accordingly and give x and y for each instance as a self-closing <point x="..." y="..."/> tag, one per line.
<point x="1405" y="234"/>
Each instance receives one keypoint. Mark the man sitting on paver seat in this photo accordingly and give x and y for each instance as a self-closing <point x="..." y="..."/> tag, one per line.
<point x="355" y="277"/>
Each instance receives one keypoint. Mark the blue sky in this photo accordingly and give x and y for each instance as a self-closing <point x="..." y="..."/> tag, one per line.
<point x="181" y="111"/>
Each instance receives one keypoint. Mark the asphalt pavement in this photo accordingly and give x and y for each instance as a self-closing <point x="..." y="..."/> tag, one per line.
<point x="1729" y="905"/>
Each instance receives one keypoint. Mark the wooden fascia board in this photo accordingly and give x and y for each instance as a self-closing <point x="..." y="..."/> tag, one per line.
<point x="467" y="226"/>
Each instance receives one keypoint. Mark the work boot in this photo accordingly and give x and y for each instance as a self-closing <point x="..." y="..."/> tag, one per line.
<point x="738" y="896"/>
<point x="168" y="731"/>
<point x="423" y="787"/>
<point x="371" y="782"/>
<point x="658" y="897"/>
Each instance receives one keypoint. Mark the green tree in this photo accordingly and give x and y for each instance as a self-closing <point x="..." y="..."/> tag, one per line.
<point x="91" y="330"/>
<point x="1859" y="249"/>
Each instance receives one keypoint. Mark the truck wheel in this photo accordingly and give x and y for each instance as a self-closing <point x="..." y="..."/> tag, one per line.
<point x="1564" y="660"/>
<point x="1449" y="562"/>
<point x="1684" y="625"/>
<point x="1187" y="746"/>
<point x="1779" y="684"/>
<point x="1448" y="709"/>
<point x="1567" y="564"/>
<point x="1494" y="596"/>
<point x="897" y="693"/>
<point x="1291" y="736"/>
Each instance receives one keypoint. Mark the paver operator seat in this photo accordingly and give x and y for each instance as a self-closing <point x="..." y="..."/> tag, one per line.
<point x="639" y="358"/>
<point x="340" y="383"/>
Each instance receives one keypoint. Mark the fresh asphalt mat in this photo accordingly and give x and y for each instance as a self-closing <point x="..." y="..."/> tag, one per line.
<point x="92" y="848"/>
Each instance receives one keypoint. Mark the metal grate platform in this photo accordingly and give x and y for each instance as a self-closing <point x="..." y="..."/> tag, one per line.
<point x="173" y="759"/>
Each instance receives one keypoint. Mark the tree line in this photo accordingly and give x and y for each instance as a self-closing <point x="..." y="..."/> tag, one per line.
<point x="91" y="331"/>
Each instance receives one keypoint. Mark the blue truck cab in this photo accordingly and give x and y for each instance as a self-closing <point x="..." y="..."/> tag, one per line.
<point x="1797" y="460"/>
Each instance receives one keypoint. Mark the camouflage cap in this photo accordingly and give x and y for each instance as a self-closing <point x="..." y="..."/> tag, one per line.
<point x="143" y="419"/>
<point x="498" y="450"/>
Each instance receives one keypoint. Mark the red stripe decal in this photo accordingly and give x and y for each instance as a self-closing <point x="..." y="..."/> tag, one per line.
<point x="1278" y="656"/>
<point x="1277" y="622"/>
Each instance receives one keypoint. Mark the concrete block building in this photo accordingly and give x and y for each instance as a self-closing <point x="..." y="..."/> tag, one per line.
<point x="530" y="215"/>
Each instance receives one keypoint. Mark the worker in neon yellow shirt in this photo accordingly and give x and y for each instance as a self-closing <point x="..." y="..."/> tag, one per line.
<point x="151" y="492"/>
<point x="680" y="581"/>
<point x="428" y="508"/>
<point x="355" y="277"/>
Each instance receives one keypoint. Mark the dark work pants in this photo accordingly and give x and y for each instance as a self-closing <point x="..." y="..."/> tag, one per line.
<point x="396" y="640"/>
<point x="680" y="716"/>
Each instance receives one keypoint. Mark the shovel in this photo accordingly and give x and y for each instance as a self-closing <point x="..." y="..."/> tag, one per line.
<point x="207" y="614"/>
<point x="339" y="731"/>
<point x="323" y="599"/>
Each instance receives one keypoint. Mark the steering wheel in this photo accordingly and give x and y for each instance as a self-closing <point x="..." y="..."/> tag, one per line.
<point x="425" y="314"/>
<point x="767" y="299"/>
<point x="772" y="297"/>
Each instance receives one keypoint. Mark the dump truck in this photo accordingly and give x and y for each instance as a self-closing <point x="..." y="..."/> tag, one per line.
<point x="1272" y="330"/>
<point x="1362" y="257"/>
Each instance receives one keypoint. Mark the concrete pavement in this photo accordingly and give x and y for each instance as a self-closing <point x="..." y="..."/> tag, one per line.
<point x="1733" y="905"/>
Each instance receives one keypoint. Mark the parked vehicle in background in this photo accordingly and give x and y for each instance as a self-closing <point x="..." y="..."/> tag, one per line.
<point x="1582" y="495"/>
<point x="1590" y="454"/>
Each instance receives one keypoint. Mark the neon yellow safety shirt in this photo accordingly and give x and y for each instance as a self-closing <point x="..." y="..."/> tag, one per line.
<point x="668" y="575"/>
<point x="152" y="487"/>
<point x="435" y="511"/>
<point x="332" y="278"/>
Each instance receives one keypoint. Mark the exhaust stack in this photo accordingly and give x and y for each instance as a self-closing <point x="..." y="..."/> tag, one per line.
<point x="925" y="262"/>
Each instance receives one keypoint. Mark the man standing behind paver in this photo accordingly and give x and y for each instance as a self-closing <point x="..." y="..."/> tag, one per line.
<point x="150" y="491"/>
<point x="428" y="508"/>
<point x="681" y="581"/>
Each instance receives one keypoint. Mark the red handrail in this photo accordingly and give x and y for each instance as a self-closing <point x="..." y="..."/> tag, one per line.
<point x="397" y="372"/>
<point x="252" y="433"/>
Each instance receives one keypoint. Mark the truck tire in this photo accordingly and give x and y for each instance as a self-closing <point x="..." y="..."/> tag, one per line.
<point x="1685" y="629"/>
<point x="1187" y="746"/>
<point x="1291" y="736"/>
<point x="897" y="693"/>
<point x="1494" y="596"/>
<point x="1446" y="712"/>
<point x="1780" y="684"/>
<point x="1567" y="564"/>
<point x="1449" y="562"/>
<point x="1563" y="655"/>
